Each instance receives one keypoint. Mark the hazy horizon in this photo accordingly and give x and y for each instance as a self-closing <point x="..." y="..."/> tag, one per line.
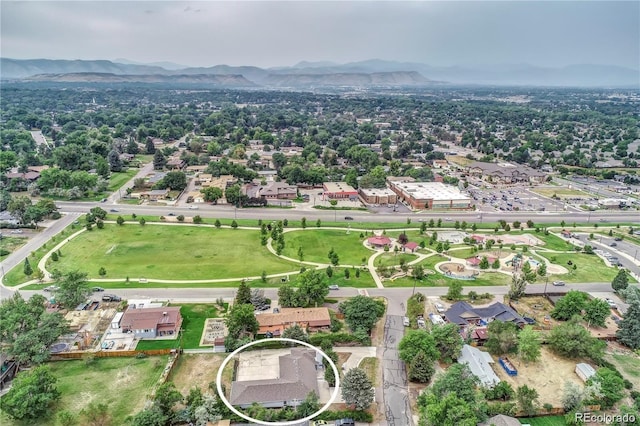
<point x="549" y="34"/>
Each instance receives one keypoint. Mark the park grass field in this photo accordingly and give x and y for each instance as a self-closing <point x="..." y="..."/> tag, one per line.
<point x="169" y="252"/>
<point x="560" y="192"/>
<point x="440" y="280"/>
<point x="391" y="259"/>
<point x="121" y="383"/>
<point x="589" y="268"/>
<point x="316" y="244"/>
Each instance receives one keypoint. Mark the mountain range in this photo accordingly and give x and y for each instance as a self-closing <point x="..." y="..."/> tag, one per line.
<point x="373" y="72"/>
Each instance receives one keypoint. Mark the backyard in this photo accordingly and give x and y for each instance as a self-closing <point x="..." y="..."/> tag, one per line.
<point x="196" y="370"/>
<point x="121" y="383"/>
<point x="193" y="319"/>
<point x="169" y="252"/>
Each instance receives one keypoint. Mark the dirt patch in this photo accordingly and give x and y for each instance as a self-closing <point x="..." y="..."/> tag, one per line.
<point x="196" y="370"/>
<point x="547" y="376"/>
<point x="538" y="308"/>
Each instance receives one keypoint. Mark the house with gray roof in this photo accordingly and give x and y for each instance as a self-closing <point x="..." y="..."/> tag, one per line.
<point x="464" y="314"/>
<point x="479" y="363"/>
<point x="297" y="378"/>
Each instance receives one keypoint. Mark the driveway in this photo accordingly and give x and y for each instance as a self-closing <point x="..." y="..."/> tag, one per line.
<point x="357" y="354"/>
<point x="395" y="387"/>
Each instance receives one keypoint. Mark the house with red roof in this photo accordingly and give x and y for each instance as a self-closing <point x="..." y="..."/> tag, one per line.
<point x="411" y="246"/>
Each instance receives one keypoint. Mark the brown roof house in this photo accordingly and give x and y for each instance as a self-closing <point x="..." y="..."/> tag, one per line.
<point x="313" y="319"/>
<point x="296" y="379"/>
<point x="150" y="323"/>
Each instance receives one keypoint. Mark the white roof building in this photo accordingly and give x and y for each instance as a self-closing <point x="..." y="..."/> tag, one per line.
<point x="479" y="364"/>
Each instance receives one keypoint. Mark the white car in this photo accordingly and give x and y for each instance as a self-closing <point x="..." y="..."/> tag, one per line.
<point x="439" y="307"/>
<point x="193" y="207"/>
<point x="611" y="303"/>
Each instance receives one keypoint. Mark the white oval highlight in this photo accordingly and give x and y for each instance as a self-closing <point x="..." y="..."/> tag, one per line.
<point x="262" y="422"/>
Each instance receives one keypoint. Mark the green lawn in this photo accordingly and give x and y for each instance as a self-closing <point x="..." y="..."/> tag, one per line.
<point x="590" y="268"/>
<point x="316" y="244"/>
<point x="116" y="180"/>
<point x="364" y="281"/>
<point x="560" y="192"/>
<point x="193" y="319"/>
<point x="629" y="365"/>
<point x="11" y="244"/>
<point x="121" y="383"/>
<point x="430" y="262"/>
<point x="391" y="259"/>
<point x="544" y="421"/>
<point x="169" y="252"/>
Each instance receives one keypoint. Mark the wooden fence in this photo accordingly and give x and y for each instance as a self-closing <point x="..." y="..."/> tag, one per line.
<point x="109" y="354"/>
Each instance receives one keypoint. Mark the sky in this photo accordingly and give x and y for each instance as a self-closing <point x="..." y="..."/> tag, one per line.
<point x="276" y="33"/>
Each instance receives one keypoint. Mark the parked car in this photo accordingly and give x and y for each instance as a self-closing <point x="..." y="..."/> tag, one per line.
<point x="104" y="200"/>
<point x="51" y="288"/>
<point x="529" y="321"/>
<point x="611" y="303"/>
<point x="405" y="321"/>
<point x="348" y="218"/>
<point x="97" y="289"/>
<point x="193" y="207"/>
<point x="334" y="287"/>
<point x="439" y="307"/>
<point x="319" y="423"/>
<point x="111" y="298"/>
<point x="17" y="231"/>
<point x="558" y="283"/>
<point x="615" y="319"/>
<point x="618" y="238"/>
<point x="345" y="422"/>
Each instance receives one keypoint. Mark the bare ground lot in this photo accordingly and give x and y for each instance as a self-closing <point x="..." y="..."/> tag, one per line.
<point x="547" y="376"/>
<point x="196" y="370"/>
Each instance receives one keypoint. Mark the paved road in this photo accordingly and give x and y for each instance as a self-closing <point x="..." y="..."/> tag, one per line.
<point x="229" y="212"/>
<point x="395" y="386"/>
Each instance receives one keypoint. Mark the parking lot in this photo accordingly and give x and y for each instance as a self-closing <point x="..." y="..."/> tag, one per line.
<point x="514" y="199"/>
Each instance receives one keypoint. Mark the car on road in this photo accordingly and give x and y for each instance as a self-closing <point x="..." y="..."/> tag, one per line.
<point x="558" y="283"/>
<point x="17" y="231"/>
<point x="618" y="238"/>
<point x="334" y="287"/>
<point x="113" y="210"/>
<point x="348" y="218"/>
<point x="104" y="200"/>
<point x="51" y="288"/>
<point x="111" y="298"/>
<point x="97" y="289"/>
<point x="448" y="219"/>
<point x="171" y="214"/>
<point x="193" y="207"/>
<point x="613" y="245"/>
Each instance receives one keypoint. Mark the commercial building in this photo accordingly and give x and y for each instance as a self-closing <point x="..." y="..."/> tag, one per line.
<point x="378" y="195"/>
<point x="429" y="195"/>
<point x="505" y="173"/>
<point x="338" y="190"/>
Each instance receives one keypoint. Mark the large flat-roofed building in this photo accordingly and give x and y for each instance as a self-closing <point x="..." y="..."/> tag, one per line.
<point x="339" y="190"/>
<point x="430" y="195"/>
<point x="378" y="195"/>
<point x="505" y="173"/>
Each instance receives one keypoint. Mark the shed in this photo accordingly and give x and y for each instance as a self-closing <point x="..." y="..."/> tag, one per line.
<point x="585" y="371"/>
<point x="115" y="322"/>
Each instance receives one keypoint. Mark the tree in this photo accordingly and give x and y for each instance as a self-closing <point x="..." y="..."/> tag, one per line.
<point x="403" y="239"/>
<point x="167" y="396"/>
<point x="309" y="406"/>
<point x="361" y="312"/>
<point x="174" y="180"/>
<point x="484" y="263"/>
<point x="234" y="224"/>
<point x="312" y="287"/>
<point x="212" y="194"/>
<point x="197" y="219"/>
<point x="416" y="341"/>
<point x="97" y="414"/>
<point x="217" y="223"/>
<point x="303" y="222"/>
<point x="31" y="395"/>
<point x="102" y="272"/>
<point x="572" y="396"/>
<point x="455" y="291"/>
<point x="502" y="391"/>
<point x="569" y="305"/>
<point x="159" y="160"/>
<point x="621" y="281"/>
<point x="296" y="332"/>
<point x="448" y="341"/>
<point x="142" y="221"/>
<point x="629" y="328"/>
<point x="527" y="399"/>
<point x="529" y="344"/>
<point x="115" y="164"/>
<point x="456" y="379"/>
<point x="243" y="295"/>
<point x="27" y="267"/>
<point x="27" y="330"/>
<point x="74" y="289"/>
<point x="611" y="387"/>
<point x="149" y="417"/>
<point x="572" y="340"/>
<point x="150" y="148"/>
<point x="241" y="321"/>
<point x="421" y="368"/>
<point x="450" y="410"/>
<point x="502" y="337"/>
<point x="120" y="220"/>
<point x="417" y="272"/>
<point x="596" y="312"/>
<point x="333" y="257"/>
<point x="542" y="269"/>
<point x="287" y="296"/>
<point x="357" y="389"/>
